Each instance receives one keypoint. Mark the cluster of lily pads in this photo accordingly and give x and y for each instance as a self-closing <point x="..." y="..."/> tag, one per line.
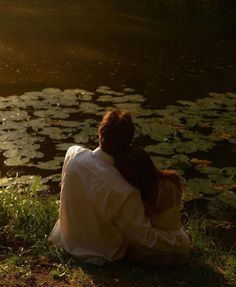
<point x="37" y="128"/>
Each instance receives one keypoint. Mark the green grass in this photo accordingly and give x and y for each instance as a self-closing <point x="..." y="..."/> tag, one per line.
<point x="28" y="259"/>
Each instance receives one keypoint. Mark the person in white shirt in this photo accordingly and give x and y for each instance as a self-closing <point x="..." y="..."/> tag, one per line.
<point x="101" y="214"/>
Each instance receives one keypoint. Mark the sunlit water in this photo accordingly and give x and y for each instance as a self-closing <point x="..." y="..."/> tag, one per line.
<point x="86" y="44"/>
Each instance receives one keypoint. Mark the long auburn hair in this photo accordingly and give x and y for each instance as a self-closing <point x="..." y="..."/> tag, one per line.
<point x="137" y="167"/>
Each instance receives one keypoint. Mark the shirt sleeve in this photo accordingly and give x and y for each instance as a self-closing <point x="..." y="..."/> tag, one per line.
<point x="137" y="228"/>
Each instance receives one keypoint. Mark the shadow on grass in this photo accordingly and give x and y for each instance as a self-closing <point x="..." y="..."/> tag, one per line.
<point x="126" y="274"/>
<point x="205" y="268"/>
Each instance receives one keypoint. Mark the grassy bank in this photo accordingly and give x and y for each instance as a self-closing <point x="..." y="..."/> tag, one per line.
<point x="27" y="259"/>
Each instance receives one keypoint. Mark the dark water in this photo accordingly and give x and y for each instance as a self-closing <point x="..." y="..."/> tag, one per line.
<point x="70" y="44"/>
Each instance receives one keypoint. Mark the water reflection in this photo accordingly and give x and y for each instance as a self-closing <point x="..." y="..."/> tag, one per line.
<point x="67" y="44"/>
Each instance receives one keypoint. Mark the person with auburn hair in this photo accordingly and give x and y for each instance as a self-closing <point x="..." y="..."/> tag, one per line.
<point x="161" y="192"/>
<point x="115" y="132"/>
<point x="100" y="212"/>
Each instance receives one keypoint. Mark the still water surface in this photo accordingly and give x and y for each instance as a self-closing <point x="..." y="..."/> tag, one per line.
<point x="86" y="44"/>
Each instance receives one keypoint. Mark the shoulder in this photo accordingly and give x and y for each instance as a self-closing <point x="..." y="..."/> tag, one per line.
<point x="77" y="151"/>
<point x="74" y="150"/>
<point x="99" y="170"/>
<point x="109" y="178"/>
<point x="74" y="155"/>
<point x="116" y="183"/>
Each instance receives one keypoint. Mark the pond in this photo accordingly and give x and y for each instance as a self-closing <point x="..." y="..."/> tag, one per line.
<point x="176" y="75"/>
<point x="163" y="54"/>
<point x="38" y="127"/>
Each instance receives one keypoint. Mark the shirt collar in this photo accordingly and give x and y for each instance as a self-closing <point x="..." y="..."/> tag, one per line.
<point x="98" y="152"/>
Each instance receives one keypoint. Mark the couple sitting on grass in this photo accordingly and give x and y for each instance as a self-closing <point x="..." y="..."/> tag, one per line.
<point x="114" y="202"/>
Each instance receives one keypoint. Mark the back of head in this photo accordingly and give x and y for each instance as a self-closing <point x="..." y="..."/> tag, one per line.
<point x="136" y="166"/>
<point x="115" y="132"/>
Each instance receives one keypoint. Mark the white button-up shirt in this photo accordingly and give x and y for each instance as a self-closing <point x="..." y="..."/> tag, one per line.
<point x="100" y="212"/>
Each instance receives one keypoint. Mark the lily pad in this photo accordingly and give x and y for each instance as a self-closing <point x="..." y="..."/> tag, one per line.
<point x="200" y="186"/>
<point x="64" y="146"/>
<point x="162" y="162"/>
<point x="221" y="178"/>
<point x="52" y="113"/>
<point x="54" y="164"/>
<point x="16" y="161"/>
<point x="63" y="118"/>
<point x="107" y="91"/>
<point x="128" y="90"/>
<point x="162" y="148"/>
<point x="194" y="145"/>
<point x="90" y="108"/>
<point x="68" y="98"/>
<point x="229" y="198"/>
<point x="157" y="130"/>
<point x="14" y="135"/>
<point x="36" y="124"/>
<point x="30" y="153"/>
<point x="84" y="95"/>
<point x="181" y="161"/>
<point x="208" y="169"/>
<point x="201" y="162"/>
<point x="81" y="138"/>
<point x="226" y="176"/>
<point x="177" y="162"/>
<point x="16" y="115"/>
<point x="11" y="153"/>
<point x="54" y="133"/>
<point x="65" y="123"/>
<point x="191" y="195"/>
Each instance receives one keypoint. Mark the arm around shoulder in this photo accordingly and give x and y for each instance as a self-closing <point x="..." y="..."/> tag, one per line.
<point x="137" y="228"/>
